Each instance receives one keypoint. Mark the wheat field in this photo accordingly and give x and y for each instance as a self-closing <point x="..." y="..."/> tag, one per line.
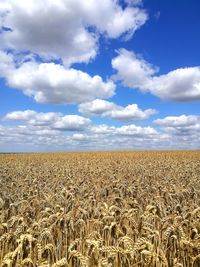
<point x="100" y="209"/>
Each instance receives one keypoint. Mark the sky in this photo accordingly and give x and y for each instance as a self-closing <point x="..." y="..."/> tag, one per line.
<point x="99" y="75"/>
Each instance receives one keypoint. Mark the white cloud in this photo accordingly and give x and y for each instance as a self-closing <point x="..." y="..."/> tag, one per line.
<point x="72" y="123"/>
<point x="6" y="63"/>
<point x="178" y="121"/>
<point x="20" y="115"/>
<point x="52" y="83"/>
<point x="117" y="21"/>
<point x="137" y="131"/>
<point x="111" y="110"/>
<point x="178" y="85"/>
<point x="60" y="29"/>
<point x="55" y="132"/>
<point x="79" y="137"/>
<point x="126" y="130"/>
<point x="51" y="120"/>
<point x="57" y="122"/>
<point x="63" y="29"/>
<point x="183" y="129"/>
<point x="96" y="107"/>
<point x="103" y="129"/>
<point x="34" y="118"/>
<point x="132" y="70"/>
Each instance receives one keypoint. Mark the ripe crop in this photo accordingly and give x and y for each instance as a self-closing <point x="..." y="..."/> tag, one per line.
<point x="100" y="209"/>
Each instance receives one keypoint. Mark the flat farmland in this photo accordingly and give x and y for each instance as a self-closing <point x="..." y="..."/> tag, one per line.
<point x="100" y="209"/>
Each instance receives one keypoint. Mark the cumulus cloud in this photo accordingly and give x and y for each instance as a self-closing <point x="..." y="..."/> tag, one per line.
<point x="178" y="85"/>
<point x="26" y="138"/>
<point x="6" y="63"/>
<point x="52" y="83"/>
<point x="32" y="117"/>
<point x="132" y="70"/>
<point x="59" y="122"/>
<point x="183" y="127"/>
<point x="126" y="130"/>
<point x="71" y="123"/>
<point x="102" y="129"/>
<point x="20" y="115"/>
<point x="138" y="131"/>
<point x="178" y="121"/>
<point x="80" y="137"/>
<point x="52" y="120"/>
<point x="55" y="131"/>
<point x="108" y="109"/>
<point x="66" y="29"/>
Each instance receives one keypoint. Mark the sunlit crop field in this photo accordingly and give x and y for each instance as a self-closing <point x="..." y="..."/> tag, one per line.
<point x="102" y="209"/>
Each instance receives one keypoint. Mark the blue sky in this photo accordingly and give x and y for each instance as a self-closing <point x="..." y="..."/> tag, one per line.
<point x="87" y="75"/>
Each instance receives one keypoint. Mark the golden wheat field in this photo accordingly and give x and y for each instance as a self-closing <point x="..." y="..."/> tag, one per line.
<point x="100" y="209"/>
